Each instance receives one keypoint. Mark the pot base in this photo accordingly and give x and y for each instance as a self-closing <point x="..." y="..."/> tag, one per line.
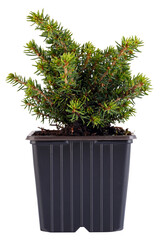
<point x="81" y="184"/>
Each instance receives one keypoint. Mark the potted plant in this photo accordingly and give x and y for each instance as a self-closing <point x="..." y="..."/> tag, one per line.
<point x="81" y="167"/>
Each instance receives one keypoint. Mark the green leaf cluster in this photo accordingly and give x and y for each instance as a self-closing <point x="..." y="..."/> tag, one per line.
<point x="82" y="84"/>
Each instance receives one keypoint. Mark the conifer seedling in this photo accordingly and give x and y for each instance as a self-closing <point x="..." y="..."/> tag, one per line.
<point x="85" y="90"/>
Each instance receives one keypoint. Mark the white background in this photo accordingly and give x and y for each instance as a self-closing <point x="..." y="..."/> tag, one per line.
<point x="102" y="23"/>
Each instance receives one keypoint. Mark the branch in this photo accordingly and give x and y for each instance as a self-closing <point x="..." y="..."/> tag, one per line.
<point x="51" y="30"/>
<point x="130" y="92"/>
<point x="31" y="105"/>
<point x="65" y="72"/>
<point x="34" y="50"/>
<point x="114" y="63"/>
<point x="14" y="79"/>
<point x="32" y="86"/>
<point x="87" y="60"/>
<point x="42" y="114"/>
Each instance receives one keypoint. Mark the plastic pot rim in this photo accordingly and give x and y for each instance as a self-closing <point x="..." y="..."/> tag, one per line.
<point x="33" y="137"/>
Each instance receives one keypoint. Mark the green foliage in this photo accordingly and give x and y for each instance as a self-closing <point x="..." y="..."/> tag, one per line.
<point x="82" y="85"/>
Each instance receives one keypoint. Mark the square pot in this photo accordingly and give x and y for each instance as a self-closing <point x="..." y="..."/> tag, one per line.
<point x="81" y="181"/>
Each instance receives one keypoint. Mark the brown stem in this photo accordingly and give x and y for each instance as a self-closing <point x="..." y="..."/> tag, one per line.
<point x="37" y="99"/>
<point x="87" y="60"/>
<point x="34" y="88"/>
<point x="19" y="81"/>
<point x="65" y="72"/>
<point x="120" y="54"/>
<point x="130" y="90"/>
<point x="38" y="113"/>
<point x="38" y="54"/>
<point x="64" y="45"/>
<point x="41" y="93"/>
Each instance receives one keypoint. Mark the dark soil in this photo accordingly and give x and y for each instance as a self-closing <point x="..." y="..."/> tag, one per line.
<point x="79" y="131"/>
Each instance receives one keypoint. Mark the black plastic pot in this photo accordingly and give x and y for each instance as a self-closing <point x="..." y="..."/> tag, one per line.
<point x="81" y="181"/>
